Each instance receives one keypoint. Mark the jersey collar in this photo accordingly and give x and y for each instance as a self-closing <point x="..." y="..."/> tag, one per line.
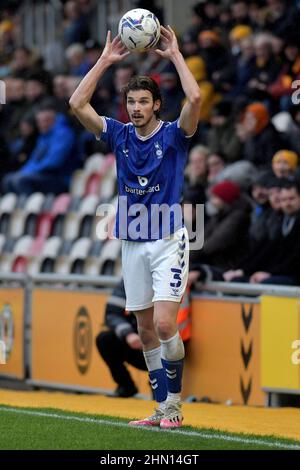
<point x="146" y="137"/>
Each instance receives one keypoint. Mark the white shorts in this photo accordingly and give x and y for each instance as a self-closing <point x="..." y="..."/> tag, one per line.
<point x="155" y="270"/>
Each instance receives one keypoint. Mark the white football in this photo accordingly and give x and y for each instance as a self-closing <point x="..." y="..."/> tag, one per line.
<point x="139" y="30"/>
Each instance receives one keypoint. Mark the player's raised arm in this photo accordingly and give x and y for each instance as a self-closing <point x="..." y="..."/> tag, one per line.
<point x="189" y="116"/>
<point x="113" y="52"/>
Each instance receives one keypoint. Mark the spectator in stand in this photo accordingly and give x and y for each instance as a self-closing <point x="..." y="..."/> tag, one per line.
<point x="78" y="64"/>
<point x="22" y="147"/>
<point x="222" y="136"/>
<point x="282" y="17"/>
<point x="262" y="232"/>
<point x="208" y="96"/>
<point x="215" y="165"/>
<point x="122" y="75"/>
<point x="226" y="231"/>
<point x="93" y="50"/>
<point x="284" y="164"/>
<point x="189" y="46"/>
<point x="260" y="197"/>
<point x="53" y="160"/>
<point x="7" y="45"/>
<point x="278" y="261"/>
<point x="15" y="107"/>
<point x="37" y="88"/>
<point x="213" y="52"/>
<point x="76" y="27"/>
<point x="61" y="93"/>
<point x="265" y="70"/>
<point x="205" y="15"/>
<point x="22" y="63"/>
<point x="261" y="139"/>
<point x="4" y="153"/>
<point x="172" y="93"/>
<point x="244" y="62"/>
<point x="228" y="77"/>
<point x="281" y="89"/>
<point x="196" y="172"/>
<point x="240" y="13"/>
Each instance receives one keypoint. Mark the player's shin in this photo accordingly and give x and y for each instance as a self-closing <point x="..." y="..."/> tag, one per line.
<point x="172" y="359"/>
<point x="156" y="375"/>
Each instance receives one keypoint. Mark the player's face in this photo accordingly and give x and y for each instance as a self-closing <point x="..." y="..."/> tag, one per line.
<point x="141" y="108"/>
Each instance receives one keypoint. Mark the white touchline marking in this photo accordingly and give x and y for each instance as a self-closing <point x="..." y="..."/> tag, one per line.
<point x="203" y="435"/>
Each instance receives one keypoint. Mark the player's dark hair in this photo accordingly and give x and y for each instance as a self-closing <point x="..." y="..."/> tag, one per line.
<point x="144" y="83"/>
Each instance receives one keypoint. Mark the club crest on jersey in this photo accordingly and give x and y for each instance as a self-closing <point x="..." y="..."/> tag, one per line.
<point x="143" y="180"/>
<point x="158" y="150"/>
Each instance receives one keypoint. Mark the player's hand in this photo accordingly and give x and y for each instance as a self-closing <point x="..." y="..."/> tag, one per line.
<point x="114" y="51"/>
<point x="169" y="42"/>
<point x="133" y="340"/>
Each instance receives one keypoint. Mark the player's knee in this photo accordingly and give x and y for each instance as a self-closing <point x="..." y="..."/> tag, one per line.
<point x="146" y="335"/>
<point x="165" y="328"/>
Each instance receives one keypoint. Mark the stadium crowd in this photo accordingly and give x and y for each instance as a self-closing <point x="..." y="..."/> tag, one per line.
<point x="243" y="162"/>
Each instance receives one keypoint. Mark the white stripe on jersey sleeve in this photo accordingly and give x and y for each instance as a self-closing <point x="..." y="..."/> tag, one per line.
<point x="98" y="137"/>
<point x="187" y="136"/>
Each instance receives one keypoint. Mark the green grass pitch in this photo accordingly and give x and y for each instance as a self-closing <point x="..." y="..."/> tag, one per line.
<point x="52" y="429"/>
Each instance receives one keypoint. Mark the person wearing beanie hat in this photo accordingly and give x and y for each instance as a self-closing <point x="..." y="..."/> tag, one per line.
<point x="225" y="233"/>
<point x="209" y="38"/>
<point x="284" y="163"/>
<point x="261" y="139"/>
<point x="256" y="117"/>
<point x="198" y="68"/>
<point x="227" y="191"/>
<point x="240" y="32"/>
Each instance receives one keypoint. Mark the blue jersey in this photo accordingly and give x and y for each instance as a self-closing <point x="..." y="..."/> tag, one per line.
<point x="150" y="172"/>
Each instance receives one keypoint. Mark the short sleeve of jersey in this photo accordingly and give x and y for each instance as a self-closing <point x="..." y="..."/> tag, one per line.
<point x="112" y="130"/>
<point x="181" y="139"/>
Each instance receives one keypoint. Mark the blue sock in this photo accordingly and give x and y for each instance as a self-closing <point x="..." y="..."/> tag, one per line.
<point x="173" y="370"/>
<point x="158" y="384"/>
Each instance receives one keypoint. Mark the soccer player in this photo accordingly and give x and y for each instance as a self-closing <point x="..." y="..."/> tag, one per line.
<point x="151" y="155"/>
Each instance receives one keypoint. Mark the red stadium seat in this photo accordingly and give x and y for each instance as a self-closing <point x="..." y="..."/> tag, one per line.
<point x="44" y="225"/>
<point x="37" y="247"/>
<point x="92" y="184"/>
<point x="19" y="264"/>
<point x="61" y="204"/>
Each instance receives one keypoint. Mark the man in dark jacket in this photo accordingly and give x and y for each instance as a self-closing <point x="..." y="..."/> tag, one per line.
<point x="280" y="263"/>
<point x="226" y="231"/>
<point x="121" y="343"/>
<point x="277" y="260"/>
